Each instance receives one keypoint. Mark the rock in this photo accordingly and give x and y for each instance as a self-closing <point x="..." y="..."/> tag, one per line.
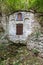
<point x="41" y="55"/>
<point x="4" y="41"/>
<point x="41" y="38"/>
<point x="30" y="45"/>
<point x="38" y="44"/>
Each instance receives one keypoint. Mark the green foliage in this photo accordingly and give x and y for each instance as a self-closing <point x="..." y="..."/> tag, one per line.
<point x="35" y="51"/>
<point x="17" y="63"/>
<point x="8" y="6"/>
<point x="37" y="34"/>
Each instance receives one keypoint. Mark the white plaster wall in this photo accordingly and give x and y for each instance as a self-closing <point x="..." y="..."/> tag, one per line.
<point x="27" y="26"/>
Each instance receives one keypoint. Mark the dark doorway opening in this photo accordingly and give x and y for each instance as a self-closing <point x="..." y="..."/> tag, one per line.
<point x="19" y="29"/>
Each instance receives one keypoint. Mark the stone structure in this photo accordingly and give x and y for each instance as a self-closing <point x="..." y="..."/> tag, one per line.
<point x="20" y="26"/>
<point x="23" y="27"/>
<point x="36" y="40"/>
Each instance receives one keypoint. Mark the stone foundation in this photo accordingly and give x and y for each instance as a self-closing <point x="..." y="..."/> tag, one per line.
<point x="36" y="43"/>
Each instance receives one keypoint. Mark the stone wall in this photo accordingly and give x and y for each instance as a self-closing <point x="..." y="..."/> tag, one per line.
<point x="28" y="27"/>
<point x="35" y="41"/>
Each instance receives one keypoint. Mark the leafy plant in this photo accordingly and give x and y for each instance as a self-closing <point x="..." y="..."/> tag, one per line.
<point x="37" y="34"/>
<point x="35" y="51"/>
<point x="9" y="6"/>
<point x="17" y="63"/>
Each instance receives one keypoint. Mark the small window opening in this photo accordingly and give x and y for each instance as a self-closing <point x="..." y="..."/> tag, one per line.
<point x="19" y="17"/>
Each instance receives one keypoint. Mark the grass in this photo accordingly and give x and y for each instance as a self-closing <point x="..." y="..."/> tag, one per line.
<point x="19" y="55"/>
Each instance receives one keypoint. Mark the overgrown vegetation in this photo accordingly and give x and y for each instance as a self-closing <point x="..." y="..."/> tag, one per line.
<point x="19" y="55"/>
<point x="35" y="51"/>
<point x="8" y="6"/>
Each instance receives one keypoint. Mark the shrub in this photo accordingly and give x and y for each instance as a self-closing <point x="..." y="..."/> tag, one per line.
<point x="35" y="51"/>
